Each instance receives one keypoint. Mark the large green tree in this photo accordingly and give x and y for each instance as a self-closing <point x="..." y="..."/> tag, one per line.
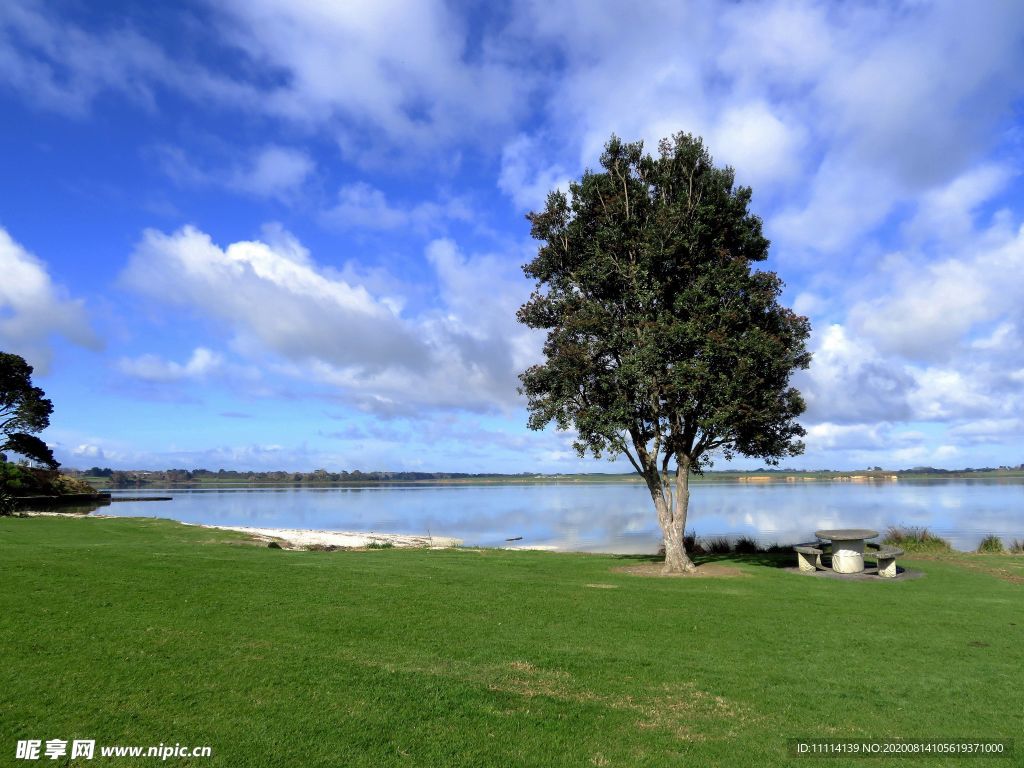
<point x="663" y="343"/>
<point x="24" y="410"/>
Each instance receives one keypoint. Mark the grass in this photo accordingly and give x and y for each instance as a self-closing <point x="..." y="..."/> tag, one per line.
<point x="145" y="631"/>
<point x="915" y="539"/>
<point x="992" y="545"/>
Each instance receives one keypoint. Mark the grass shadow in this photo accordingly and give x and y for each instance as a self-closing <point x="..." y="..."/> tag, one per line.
<point x="641" y="558"/>
<point x="762" y="559"/>
<point x="773" y="559"/>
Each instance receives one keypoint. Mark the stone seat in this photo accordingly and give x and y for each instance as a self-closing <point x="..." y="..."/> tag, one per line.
<point x="887" y="561"/>
<point x="804" y="553"/>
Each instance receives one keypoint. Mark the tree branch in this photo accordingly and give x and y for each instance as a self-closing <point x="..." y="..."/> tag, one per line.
<point x="636" y="465"/>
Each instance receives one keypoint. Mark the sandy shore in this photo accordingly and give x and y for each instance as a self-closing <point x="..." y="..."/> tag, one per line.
<point x="297" y="538"/>
<point x="301" y="538"/>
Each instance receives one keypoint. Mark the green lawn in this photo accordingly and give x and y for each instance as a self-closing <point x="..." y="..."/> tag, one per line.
<point x="146" y="631"/>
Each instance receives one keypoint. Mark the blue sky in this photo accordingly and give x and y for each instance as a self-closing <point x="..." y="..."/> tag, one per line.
<point x="288" y="234"/>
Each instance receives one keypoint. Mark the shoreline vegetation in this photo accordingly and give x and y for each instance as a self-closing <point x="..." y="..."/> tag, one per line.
<point x="915" y="540"/>
<point x="24" y="487"/>
<point x="107" y="478"/>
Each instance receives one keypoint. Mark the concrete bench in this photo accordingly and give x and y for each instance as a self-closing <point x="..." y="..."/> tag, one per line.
<point x="804" y="553"/>
<point x="887" y="561"/>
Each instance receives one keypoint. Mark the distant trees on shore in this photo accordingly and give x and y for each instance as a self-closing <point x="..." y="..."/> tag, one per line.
<point x="133" y="478"/>
<point x="128" y="478"/>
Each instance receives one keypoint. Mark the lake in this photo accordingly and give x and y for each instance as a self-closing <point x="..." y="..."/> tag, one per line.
<point x="603" y="517"/>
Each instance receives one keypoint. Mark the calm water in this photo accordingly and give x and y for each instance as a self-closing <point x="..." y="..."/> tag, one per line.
<point x="604" y="517"/>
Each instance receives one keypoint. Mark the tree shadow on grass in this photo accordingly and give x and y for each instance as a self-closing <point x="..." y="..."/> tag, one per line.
<point x="772" y="559"/>
<point x="761" y="559"/>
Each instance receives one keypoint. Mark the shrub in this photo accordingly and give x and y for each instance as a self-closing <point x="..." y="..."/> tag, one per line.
<point x="746" y="546"/>
<point x="992" y="545"/>
<point x="68" y="484"/>
<point x="719" y="545"/>
<point x="1017" y="546"/>
<point x="915" y="539"/>
<point x="380" y="545"/>
<point x="19" y="480"/>
<point x="689" y="541"/>
<point x="6" y="504"/>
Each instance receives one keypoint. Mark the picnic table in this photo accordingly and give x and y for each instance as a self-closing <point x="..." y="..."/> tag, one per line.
<point x="847" y="547"/>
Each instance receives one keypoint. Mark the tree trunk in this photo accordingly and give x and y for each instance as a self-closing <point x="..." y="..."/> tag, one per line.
<point x="672" y="518"/>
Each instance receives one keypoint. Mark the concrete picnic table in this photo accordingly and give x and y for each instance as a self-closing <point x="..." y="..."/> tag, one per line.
<point x="847" y="547"/>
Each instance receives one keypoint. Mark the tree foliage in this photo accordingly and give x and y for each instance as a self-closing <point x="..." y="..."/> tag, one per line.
<point x="662" y="342"/>
<point x="24" y="410"/>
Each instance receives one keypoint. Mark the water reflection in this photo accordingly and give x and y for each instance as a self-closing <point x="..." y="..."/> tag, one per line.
<point x="604" y="517"/>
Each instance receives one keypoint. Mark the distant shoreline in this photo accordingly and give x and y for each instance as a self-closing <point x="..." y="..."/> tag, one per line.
<point x="159" y="479"/>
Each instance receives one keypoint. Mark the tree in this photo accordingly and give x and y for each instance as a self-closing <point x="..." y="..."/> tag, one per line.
<point x="24" y="409"/>
<point x="662" y="343"/>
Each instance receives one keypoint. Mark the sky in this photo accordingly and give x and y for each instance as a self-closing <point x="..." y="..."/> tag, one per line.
<point x="289" y="234"/>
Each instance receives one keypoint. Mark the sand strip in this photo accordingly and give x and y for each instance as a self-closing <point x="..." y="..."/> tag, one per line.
<point x="297" y="538"/>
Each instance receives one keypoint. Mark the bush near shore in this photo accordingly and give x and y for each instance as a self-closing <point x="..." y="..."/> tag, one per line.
<point x="992" y="545"/>
<point x="19" y="480"/>
<point x="915" y="539"/>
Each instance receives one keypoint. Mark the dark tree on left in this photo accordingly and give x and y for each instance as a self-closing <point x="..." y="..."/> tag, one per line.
<point x="24" y="411"/>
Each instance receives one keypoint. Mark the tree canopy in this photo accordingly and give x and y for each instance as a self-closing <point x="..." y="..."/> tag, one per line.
<point x="24" y="410"/>
<point x="663" y="343"/>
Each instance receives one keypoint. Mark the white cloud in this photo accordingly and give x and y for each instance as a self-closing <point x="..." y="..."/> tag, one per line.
<point x="929" y="311"/>
<point x="272" y="296"/>
<point x="946" y="213"/>
<point x="525" y="178"/>
<point x="989" y="430"/>
<point x="764" y="147"/>
<point x="386" y="70"/>
<point x="33" y="308"/>
<point x="784" y="44"/>
<point x="383" y="79"/>
<point x="253" y="456"/>
<point x="281" y="309"/>
<point x="201" y="364"/>
<point x="837" y="115"/>
<point x="273" y="171"/>
<point x="807" y="303"/>
<point x="848" y="381"/>
<point x="923" y="455"/>
<point x="845" y="201"/>
<point x="88" y="451"/>
<point x="827" y="436"/>
<point x="363" y="206"/>
<point x="476" y="345"/>
<point x="946" y="394"/>
<point x="62" y="66"/>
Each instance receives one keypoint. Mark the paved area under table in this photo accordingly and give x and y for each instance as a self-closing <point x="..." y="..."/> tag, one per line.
<point x="870" y="573"/>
